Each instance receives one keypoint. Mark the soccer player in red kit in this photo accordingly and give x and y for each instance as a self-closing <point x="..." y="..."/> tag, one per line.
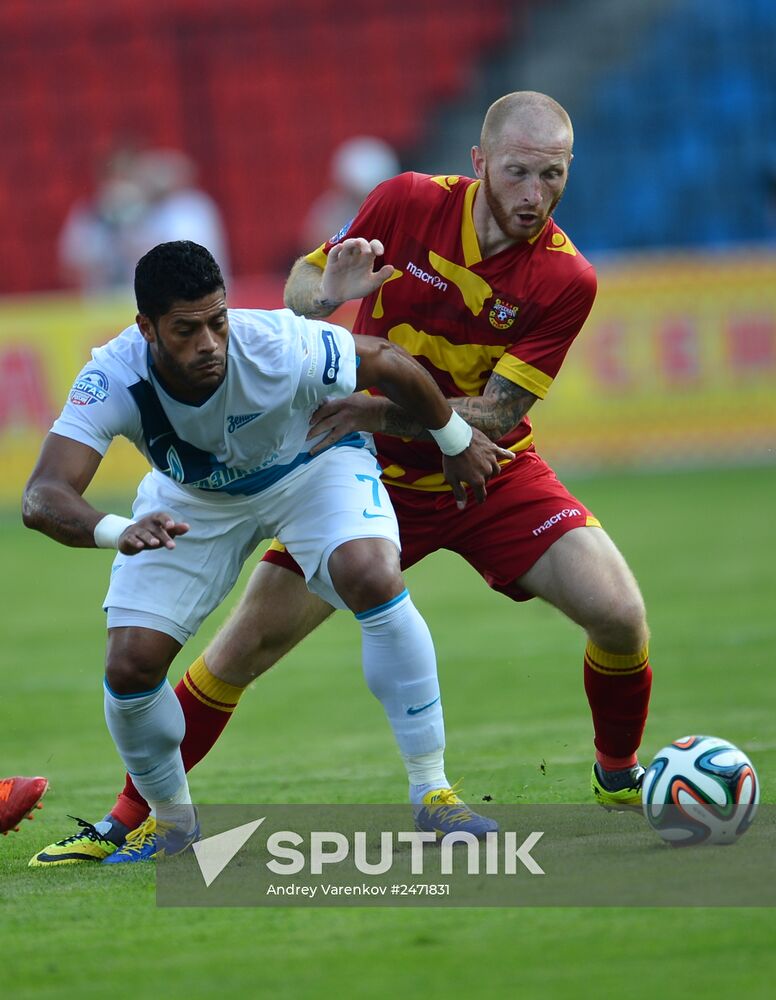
<point x="475" y="280"/>
<point x="493" y="331"/>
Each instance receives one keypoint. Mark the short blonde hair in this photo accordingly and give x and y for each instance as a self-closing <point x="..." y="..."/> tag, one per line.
<point x="522" y="105"/>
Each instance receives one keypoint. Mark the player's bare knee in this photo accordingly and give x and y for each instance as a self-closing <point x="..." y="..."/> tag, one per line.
<point x="623" y="627"/>
<point x="137" y="660"/>
<point x="130" y="676"/>
<point x="366" y="573"/>
<point x="370" y="588"/>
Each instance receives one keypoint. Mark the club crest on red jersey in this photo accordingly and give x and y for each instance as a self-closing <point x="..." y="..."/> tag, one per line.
<point x="502" y="314"/>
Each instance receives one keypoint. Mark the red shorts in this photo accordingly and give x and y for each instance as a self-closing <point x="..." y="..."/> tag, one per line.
<point x="527" y="509"/>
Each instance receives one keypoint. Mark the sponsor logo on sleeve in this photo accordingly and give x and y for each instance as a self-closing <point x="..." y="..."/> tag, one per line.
<point x="91" y="387"/>
<point x="331" y="368"/>
<point x="342" y="233"/>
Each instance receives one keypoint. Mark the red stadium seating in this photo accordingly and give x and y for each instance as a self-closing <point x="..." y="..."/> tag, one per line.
<point x="258" y="92"/>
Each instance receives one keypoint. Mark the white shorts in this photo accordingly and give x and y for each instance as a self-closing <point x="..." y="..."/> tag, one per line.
<point x="336" y="497"/>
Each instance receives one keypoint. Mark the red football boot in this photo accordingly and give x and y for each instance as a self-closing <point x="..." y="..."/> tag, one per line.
<point x="18" y="797"/>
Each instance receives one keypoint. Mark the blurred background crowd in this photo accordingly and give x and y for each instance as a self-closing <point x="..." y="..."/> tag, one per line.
<point x="257" y="126"/>
<point x="143" y="197"/>
<point x="122" y="121"/>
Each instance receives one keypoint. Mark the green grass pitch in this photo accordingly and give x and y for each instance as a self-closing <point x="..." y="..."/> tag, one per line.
<point x="702" y="545"/>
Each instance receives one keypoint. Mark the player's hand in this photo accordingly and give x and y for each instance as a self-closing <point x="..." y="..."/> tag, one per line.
<point x="153" y="531"/>
<point x="339" y="417"/>
<point x="349" y="272"/>
<point x="474" y="465"/>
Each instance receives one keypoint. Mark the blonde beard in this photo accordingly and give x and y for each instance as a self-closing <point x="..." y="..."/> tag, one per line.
<point x="502" y="216"/>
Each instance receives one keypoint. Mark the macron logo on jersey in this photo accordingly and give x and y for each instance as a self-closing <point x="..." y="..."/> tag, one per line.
<point x="235" y="423"/>
<point x="331" y="368"/>
<point x="430" y="279"/>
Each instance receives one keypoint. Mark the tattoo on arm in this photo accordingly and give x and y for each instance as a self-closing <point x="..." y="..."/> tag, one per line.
<point x="501" y="407"/>
<point x="303" y="289"/>
<point x="398" y="423"/>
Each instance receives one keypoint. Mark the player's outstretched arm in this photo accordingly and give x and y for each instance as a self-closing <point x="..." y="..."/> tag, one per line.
<point x="53" y="504"/>
<point x="349" y="274"/>
<point x="497" y="411"/>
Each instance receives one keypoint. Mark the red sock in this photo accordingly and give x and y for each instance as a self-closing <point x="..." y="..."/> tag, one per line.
<point x="617" y="687"/>
<point x="207" y="704"/>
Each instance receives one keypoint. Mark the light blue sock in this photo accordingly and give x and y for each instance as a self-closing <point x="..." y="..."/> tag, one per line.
<point x="147" y="729"/>
<point x="400" y="670"/>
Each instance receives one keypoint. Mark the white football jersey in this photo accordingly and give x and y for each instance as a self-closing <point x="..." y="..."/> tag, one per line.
<point x="250" y="433"/>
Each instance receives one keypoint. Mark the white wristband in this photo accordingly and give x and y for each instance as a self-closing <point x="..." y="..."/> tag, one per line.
<point x="108" y="531"/>
<point x="454" y="437"/>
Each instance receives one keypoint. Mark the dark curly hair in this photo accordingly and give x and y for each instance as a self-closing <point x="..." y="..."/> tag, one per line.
<point x="174" y="271"/>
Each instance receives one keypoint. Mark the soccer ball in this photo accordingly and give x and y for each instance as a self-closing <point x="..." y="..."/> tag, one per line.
<point x="700" y="790"/>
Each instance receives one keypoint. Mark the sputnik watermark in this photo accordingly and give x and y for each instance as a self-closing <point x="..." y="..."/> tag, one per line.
<point x="503" y="854"/>
<point x="542" y="855"/>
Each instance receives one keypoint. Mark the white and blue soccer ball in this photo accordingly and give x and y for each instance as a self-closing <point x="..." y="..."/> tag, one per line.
<point x="700" y="790"/>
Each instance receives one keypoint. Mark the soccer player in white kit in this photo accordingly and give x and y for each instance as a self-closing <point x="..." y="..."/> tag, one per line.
<point x="220" y="401"/>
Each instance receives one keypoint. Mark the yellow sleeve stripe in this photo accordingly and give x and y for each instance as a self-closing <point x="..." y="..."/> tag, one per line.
<point x="317" y="257"/>
<point x="523" y="374"/>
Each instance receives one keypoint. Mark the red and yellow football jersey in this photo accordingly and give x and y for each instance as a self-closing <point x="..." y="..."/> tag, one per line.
<point x="463" y="318"/>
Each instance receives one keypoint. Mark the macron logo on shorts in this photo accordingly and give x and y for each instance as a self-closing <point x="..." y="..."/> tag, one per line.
<point x="331" y="368"/>
<point x="566" y="512"/>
